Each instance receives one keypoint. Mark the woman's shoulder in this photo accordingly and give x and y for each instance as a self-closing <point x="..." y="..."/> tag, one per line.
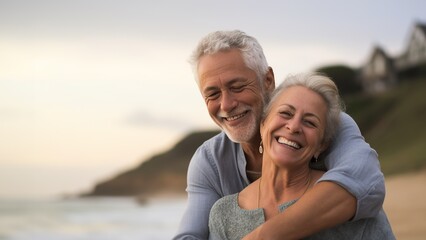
<point x="223" y="206"/>
<point x="227" y="200"/>
<point x="245" y="199"/>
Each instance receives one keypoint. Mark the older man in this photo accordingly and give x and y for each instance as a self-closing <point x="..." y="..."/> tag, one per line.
<point x="235" y="81"/>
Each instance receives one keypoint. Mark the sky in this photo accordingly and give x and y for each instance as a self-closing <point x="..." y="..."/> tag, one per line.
<point x="89" y="89"/>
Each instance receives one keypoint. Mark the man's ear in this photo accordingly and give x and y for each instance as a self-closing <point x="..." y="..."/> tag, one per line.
<point x="269" y="80"/>
<point x="262" y="125"/>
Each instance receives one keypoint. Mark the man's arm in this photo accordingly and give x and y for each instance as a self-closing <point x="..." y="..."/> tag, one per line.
<point x="353" y="188"/>
<point x="354" y="165"/>
<point x="201" y="197"/>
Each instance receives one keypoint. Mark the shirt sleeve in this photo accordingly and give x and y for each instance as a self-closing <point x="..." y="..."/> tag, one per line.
<point x="354" y="165"/>
<point x="202" y="194"/>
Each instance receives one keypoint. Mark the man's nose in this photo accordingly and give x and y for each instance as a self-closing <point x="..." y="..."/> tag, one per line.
<point x="228" y="101"/>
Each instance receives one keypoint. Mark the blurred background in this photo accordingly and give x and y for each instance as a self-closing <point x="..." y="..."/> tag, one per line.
<point x="97" y="99"/>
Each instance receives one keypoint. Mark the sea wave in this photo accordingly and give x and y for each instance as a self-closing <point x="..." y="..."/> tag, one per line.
<point x="90" y="219"/>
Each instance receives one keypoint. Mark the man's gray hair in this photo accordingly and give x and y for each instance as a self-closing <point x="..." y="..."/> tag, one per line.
<point x="219" y="41"/>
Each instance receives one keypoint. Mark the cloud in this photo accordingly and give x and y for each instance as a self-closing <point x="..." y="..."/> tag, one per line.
<point x="146" y="119"/>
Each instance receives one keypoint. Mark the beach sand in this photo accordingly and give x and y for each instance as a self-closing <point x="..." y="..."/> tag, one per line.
<point x="405" y="205"/>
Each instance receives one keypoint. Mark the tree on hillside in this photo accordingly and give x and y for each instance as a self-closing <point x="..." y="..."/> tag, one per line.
<point x="344" y="77"/>
<point x="413" y="72"/>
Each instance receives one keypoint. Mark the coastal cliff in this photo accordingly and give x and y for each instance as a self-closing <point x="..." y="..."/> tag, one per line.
<point x="162" y="173"/>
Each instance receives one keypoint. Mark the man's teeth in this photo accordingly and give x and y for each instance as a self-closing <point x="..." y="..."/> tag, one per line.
<point x="235" y="117"/>
<point x="288" y="143"/>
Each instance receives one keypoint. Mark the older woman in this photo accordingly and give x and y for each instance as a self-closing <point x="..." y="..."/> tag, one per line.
<point x="298" y="124"/>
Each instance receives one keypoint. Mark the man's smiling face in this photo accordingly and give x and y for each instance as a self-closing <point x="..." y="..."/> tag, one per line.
<point x="233" y="94"/>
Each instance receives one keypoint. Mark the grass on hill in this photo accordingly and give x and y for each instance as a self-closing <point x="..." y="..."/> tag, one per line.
<point x="393" y="123"/>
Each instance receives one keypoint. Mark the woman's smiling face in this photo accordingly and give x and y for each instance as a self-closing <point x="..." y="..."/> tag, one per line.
<point x="293" y="130"/>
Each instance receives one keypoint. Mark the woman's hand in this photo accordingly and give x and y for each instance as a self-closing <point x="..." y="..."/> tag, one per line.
<point x="254" y="235"/>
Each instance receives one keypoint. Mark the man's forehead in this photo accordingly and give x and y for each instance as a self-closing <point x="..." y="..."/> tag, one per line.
<point x="216" y="60"/>
<point x="222" y="67"/>
<point x="219" y="71"/>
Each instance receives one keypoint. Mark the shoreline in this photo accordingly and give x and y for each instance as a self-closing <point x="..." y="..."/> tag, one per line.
<point x="405" y="204"/>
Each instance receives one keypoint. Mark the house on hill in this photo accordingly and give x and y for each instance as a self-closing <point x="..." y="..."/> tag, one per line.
<point x="379" y="74"/>
<point x="381" y="71"/>
<point x="415" y="52"/>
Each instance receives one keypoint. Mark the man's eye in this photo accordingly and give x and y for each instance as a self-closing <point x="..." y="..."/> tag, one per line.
<point x="212" y="96"/>
<point x="237" y="88"/>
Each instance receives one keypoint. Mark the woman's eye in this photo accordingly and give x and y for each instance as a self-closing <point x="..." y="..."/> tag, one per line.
<point x="286" y="114"/>
<point x="310" y="123"/>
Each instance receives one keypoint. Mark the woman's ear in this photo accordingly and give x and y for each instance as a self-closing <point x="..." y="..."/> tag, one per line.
<point x="322" y="148"/>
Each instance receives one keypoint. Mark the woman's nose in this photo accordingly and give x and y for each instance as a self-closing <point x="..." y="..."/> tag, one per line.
<point x="293" y="125"/>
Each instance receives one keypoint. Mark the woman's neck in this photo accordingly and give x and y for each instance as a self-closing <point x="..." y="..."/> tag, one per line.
<point x="281" y="186"/>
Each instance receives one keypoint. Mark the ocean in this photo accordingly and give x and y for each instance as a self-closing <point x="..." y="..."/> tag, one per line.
<point x="90" y="219"/>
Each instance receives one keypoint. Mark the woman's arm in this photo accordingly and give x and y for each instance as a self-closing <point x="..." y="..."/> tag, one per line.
<point x="325" y="205"/>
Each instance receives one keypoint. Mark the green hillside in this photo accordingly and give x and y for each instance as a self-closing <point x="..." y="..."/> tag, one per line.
<point x="394" y="124"/>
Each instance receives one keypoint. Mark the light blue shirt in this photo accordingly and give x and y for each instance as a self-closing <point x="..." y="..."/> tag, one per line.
<point x="217" y="169"/>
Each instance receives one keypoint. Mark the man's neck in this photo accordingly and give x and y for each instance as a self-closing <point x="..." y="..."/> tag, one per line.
<point x="253" y="156"/>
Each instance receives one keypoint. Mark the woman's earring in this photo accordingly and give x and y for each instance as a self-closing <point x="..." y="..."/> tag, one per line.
<point x="261" y="148"/>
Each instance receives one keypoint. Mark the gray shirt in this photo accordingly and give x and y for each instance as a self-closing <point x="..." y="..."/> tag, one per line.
<point x="228" y="222"/>
<point x="217" y="169"/>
